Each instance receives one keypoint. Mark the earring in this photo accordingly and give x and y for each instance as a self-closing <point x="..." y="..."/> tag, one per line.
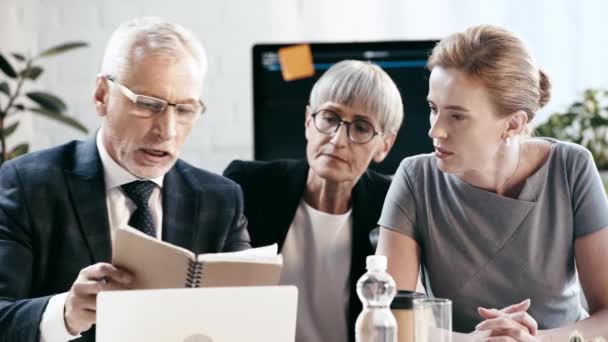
<point x="508" y="141"/>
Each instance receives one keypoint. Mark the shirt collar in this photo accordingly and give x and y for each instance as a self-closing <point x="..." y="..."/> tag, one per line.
<point x="114" y="174"/>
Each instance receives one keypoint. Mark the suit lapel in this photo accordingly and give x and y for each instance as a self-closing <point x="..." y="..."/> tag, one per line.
<point x="295" y="175"/>
<point x="363" y="222"/>
<point x="86" y="186"/>
<point x="180" y="213"/>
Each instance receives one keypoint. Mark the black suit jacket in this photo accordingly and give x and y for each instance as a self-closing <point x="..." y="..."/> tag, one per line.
<point x="272" y="193"/>
<point x="54" y="222"/>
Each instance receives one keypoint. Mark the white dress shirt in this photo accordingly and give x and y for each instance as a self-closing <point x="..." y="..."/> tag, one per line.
<point x="317" y="258"/>
<point x="120" y="208"/>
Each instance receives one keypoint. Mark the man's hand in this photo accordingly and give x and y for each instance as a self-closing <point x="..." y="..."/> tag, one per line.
<point x="81" y="303"/>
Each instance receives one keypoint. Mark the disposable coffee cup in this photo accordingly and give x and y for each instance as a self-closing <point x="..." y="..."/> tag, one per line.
<point x="403" y="310"/>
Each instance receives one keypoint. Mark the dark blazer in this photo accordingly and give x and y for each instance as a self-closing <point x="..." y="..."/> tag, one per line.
<point x="272" y="193"/>
<point x="54" y="222"/>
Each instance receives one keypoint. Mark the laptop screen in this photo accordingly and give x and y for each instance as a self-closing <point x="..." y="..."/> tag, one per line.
<point x="279" y="106"/>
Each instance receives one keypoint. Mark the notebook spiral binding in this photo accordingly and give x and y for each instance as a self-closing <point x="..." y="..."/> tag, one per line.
<point x="195" y="272"/>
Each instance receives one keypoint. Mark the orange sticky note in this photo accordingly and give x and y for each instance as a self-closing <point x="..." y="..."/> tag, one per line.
<point x="296" y="62"/>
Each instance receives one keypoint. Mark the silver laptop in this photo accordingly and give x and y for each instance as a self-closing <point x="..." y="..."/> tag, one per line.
<point x="230" y="314"/>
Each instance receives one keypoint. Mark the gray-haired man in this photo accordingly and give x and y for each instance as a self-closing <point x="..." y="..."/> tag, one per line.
<point x="59" y="208"/>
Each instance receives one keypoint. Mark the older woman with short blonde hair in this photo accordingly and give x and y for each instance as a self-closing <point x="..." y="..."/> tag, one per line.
<point x="321" y="210"/>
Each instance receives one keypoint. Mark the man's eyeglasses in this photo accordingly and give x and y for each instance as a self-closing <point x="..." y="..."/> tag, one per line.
<point x="359" y="131"/>
<point x="147" y="106"/>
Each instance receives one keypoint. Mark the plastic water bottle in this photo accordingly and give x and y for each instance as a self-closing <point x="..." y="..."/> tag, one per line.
<point x="376" y="289"/>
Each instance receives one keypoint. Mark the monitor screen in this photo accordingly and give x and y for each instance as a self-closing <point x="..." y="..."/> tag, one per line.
<point x="280" y="106"/>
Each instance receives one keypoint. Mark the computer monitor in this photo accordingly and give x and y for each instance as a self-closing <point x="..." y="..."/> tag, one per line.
<point x="279" y="106"/>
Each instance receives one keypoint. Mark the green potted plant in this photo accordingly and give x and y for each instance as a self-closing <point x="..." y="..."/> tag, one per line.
<point x="14" y="101"/>
<point x="584" y="122"/>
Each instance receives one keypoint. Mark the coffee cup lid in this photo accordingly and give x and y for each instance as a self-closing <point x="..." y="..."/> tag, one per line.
<point x="404" y="299"/>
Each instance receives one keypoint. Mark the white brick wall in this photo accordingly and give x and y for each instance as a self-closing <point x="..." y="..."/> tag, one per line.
<point x="566" y="37"/>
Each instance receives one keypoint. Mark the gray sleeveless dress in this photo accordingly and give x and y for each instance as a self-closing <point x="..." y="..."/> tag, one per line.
<point x="481" y="249"/>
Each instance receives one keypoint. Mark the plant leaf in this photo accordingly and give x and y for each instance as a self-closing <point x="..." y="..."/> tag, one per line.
<point x="7" y="68"/>
<point x="62" y="48"/>
<point x="5" y="88"/>
<point x="10" y="129"/>
<point x="32" y="72"/>
<point x="18" y="150"/>
<point x="18" y="56"/>
<point x="47" y="101"/>
<point x="598" y="121"/>
<point x="68" y="120"/>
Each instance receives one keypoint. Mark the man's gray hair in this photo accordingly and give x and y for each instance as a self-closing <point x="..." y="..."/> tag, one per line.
<point x="362" y="84"/>
<point x="150" y="35"/>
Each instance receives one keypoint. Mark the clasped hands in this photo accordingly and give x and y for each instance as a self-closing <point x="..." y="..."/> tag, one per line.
<point x="510" y="324"/>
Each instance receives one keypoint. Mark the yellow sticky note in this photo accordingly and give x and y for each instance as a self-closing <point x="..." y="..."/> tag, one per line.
<point x="296" y="62"/>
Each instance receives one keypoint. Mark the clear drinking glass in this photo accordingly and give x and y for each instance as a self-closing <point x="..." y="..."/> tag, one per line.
<point x="432" y="320"/>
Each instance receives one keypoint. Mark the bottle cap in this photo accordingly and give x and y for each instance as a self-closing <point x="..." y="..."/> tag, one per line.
<point x="375" y="263"/>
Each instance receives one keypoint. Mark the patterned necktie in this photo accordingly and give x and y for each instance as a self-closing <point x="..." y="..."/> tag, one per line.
<point x="139" y="192"/>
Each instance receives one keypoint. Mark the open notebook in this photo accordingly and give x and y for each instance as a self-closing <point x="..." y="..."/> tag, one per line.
<point x="264" y="314"/>
<point x="158" y="265"/>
